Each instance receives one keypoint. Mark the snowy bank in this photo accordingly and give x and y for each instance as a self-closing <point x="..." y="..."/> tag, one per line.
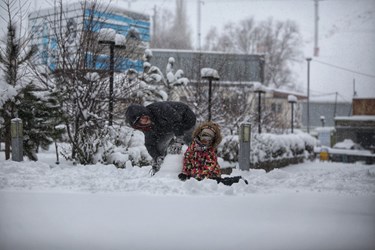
<point x="353" y="179"/>
<point x="308" y="206"/>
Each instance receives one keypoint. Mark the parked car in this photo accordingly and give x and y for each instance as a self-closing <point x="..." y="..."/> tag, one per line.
<point x="349" y="151"/>
<point x="348" y="144"/>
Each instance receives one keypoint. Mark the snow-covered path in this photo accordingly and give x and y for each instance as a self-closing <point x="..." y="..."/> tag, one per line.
<point x="33" y="220"/>
<point x="313" y="205"/>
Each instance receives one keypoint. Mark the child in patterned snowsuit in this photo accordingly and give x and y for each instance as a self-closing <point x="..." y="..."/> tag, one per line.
<point x="200" y="159"/>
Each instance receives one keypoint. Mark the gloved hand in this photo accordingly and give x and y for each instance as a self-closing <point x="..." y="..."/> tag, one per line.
<point x="156" y="165"/>
<point x="154" y="170"/>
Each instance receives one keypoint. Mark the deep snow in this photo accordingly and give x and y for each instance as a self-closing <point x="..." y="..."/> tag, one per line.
<point x="313" y="205"/>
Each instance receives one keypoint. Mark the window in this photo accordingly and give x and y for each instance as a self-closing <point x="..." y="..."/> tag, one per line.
<point x="276" y="107"/>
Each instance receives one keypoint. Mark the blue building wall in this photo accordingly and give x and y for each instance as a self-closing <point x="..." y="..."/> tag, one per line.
<point x="122" y="21"/>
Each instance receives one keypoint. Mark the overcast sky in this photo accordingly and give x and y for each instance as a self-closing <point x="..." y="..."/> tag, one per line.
<point x="346" y="35"/>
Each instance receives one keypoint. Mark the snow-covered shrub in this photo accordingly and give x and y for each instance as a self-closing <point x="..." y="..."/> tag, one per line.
<point x="268" y="147"/>
<point x="228" y="148"/>
<point x="125" y="148"/>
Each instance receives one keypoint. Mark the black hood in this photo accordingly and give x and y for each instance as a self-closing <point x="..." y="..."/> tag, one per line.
<point x="135" y="111"/>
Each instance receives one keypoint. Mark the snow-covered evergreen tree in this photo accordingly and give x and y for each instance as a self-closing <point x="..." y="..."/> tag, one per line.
<point x="14" y="56"/>
<point x="41" y="116"/>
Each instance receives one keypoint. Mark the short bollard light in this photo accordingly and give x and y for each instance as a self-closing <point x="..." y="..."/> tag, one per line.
<point x="17" y="139"/>
<point x="244" y="154"/>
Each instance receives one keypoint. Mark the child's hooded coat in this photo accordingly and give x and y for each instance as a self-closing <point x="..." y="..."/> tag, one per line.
<point x="200" y="161"/>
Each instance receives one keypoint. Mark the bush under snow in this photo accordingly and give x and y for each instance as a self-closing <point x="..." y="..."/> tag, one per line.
<point x="268" y="147"/>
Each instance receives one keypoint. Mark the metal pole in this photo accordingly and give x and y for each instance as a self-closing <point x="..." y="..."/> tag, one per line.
<point x="292" y="116"/>
<point x="199" y="25"/>
<point x="209" y="97"/>
<point x="259" y="112"/>
<point x="316" y="36"/>
<point x="308" y="94"/>
<point x="111" y="69"/>
<point x="57" y="153"/>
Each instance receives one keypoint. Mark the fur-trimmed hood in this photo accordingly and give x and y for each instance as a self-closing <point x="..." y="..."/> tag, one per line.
<point x="214" y="127"/>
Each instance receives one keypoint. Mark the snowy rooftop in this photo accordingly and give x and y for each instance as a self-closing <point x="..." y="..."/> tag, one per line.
<point x="356" y="118"/>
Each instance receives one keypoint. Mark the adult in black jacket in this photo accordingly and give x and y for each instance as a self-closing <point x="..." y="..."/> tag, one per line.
<point x="161" y="122"/>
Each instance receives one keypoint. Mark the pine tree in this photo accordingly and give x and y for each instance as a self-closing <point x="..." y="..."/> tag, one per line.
<point x="13" y="63"/>
<point x="41" y="116"/>
<point x="37" y="108"/>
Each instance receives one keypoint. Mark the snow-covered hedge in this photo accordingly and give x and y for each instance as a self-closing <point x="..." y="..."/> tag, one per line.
<point x="268" y="147"/>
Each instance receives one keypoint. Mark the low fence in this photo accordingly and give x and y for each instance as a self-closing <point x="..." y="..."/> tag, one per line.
<point x="277" y="163"/>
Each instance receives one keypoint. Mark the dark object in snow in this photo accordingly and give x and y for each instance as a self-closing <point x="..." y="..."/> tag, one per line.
<point x="227" y="171"/>
<point x="228" y="181"/>
<point x="161" y="122"/>
<point x="183" y="177"/>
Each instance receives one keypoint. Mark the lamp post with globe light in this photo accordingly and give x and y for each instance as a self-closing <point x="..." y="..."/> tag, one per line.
<point x="210" y="75"/>
<point x="113" y="40"/>
<point x="292" y="100"/>
<point x="259" y="89"/>
<point x="308" y="93"/>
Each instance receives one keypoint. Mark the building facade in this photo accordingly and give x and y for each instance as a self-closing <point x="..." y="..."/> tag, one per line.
<point x="328" y="110"/>
<point x="72" y="20"/>
<point x="360" y="126"/>
<point x="236" y="68"/>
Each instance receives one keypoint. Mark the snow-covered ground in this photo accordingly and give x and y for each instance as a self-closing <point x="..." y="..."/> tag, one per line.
<point x="314" y="205"/>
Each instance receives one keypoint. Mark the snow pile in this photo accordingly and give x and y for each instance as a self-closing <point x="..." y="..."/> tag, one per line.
<point x="311" y="177"/>
<point x="347" y="144"/>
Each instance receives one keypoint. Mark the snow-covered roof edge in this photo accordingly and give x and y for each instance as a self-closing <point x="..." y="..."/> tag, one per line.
<point x="204" y="52"/>
<point x="356" y="118"/>
<point x="78" y="6"/>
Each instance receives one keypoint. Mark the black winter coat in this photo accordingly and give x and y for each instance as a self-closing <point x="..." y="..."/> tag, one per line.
<point x="167" y="117"/>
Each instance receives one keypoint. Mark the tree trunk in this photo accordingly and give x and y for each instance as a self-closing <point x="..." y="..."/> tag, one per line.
<point x="7" y="138"/>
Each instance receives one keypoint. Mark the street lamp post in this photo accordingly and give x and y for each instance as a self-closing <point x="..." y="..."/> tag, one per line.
<point x="210" y="75"/>
<point x="322" y="119"/>
<point x="292" y="100"/>
<point x="308" y="93"/>
<point x="260" y="90"/>
<point x="112" y="45"/>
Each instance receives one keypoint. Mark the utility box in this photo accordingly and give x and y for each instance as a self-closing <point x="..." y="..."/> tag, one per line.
<point x="17" y="139"/>
<point x="245" y="139"/>
<point x="324" y="155"/>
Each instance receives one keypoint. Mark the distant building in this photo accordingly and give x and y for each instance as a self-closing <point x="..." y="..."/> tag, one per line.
<point x="77" y="18"/>
<point x="364" y="106"/>
<point x="360" y="127"/>
<point x="327" y="109"/>
<point x="277" y="103"/>
<point x="235" y="68"/>
<point x="237" y="72"/>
